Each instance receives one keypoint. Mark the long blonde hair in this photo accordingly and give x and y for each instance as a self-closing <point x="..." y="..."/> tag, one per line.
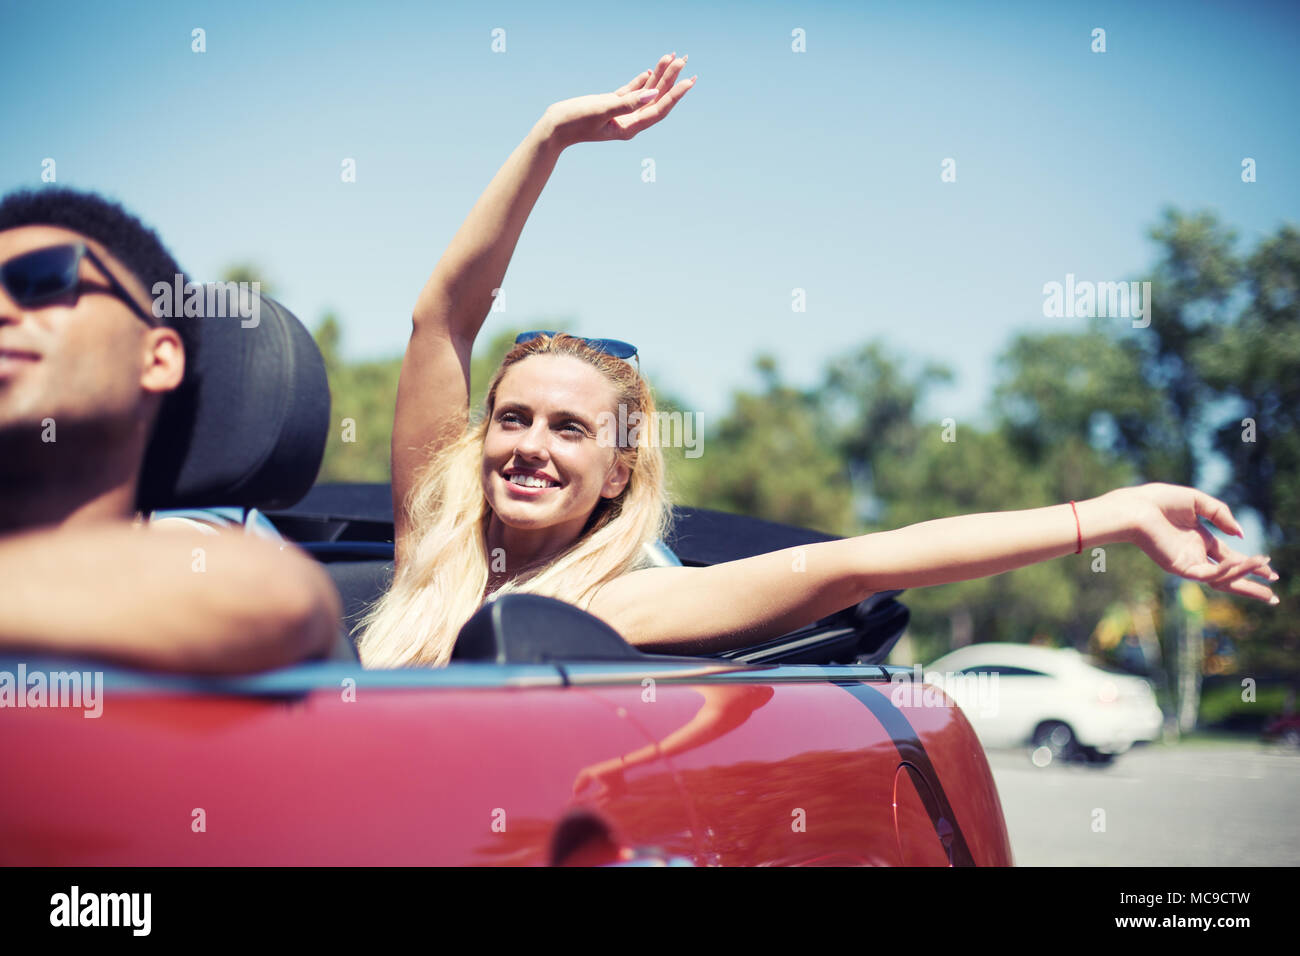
<point x="443" y="577"/>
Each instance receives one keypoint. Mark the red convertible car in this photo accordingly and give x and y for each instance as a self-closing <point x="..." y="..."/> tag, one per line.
<point x="548" y="739"/>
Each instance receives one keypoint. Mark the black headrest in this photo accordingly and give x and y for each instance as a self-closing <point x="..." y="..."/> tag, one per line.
<point x="248" y="425"/>
<point x="533" y="629"/>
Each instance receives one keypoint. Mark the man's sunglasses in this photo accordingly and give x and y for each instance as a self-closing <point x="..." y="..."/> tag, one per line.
<point x="614" y="347"/>
<point x="43" y="275"/>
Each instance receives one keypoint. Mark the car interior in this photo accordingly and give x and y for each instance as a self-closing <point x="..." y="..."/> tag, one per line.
<point x="241" y="444"/>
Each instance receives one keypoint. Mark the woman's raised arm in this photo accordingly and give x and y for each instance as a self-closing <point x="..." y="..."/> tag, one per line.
<point x="728" y="605"/>
<point x="433" y="391"/>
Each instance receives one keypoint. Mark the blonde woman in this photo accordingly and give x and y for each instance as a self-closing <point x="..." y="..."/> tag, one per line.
<point x="541" y="496"/>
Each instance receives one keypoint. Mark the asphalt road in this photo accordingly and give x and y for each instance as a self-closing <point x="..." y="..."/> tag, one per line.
<point x="1192" y="804"/>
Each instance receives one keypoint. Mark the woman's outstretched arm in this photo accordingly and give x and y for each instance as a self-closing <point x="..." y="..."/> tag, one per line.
<point x="728" y="605"/>
<point x="433" y="391"/>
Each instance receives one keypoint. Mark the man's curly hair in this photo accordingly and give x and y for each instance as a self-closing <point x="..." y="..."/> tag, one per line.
<point x="130" y="241"/>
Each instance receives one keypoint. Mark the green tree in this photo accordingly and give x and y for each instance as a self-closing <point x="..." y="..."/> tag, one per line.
<point x="362" y="398"/>
<point x="1208" y="372"/>
<point x="1251" y="365"/>
<point x="869" y="400"/>
<point x="772" y="457"/>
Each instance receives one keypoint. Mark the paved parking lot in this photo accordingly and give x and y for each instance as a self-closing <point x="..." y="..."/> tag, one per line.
<point x="1193" y="804"/>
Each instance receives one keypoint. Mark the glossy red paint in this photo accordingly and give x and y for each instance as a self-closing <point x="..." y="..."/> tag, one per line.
<point x="802" y="773"/>
<point x="717" y="773"/>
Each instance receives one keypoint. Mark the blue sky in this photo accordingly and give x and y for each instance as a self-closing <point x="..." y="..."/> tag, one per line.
<point x="818" y="170"/>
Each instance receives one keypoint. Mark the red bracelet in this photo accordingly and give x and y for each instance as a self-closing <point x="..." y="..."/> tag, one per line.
<point x="1078" y="528"/>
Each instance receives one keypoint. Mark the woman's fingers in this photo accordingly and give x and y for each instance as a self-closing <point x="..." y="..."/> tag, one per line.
<point x="636" y="83"/>
<point x="1238" y="568"/>
<point x="669" y="76"/>
<point x="1247" y="588"/>
<point x="611" y="106"/>
<point x="1215" y="548"/>
<point x="1231" y="562"/>
<point x="1186" y="560"/>
<point x="1232" y="574"/>
<point x="656" y="111"/>
<point x="661" y="68"/>
<point x="1218" y="513"/>
<point x="1202" y="571"/>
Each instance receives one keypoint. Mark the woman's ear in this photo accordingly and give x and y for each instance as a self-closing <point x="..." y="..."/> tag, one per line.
<point x="616" y="480"/>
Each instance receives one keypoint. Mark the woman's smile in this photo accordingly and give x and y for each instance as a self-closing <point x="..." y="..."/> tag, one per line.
<point x="527" y="490"/>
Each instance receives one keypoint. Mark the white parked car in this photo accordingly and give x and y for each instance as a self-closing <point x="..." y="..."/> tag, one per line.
<point x="1055" y="700"/>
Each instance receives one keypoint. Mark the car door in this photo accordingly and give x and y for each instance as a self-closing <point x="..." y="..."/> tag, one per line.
<point x="325" y="764"/>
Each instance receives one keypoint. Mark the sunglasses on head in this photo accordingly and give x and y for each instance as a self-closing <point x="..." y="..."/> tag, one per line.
<point x="614" y="347"/>
<point x="36" y="278"/>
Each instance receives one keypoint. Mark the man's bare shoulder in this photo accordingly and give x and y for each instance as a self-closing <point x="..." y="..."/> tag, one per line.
<point x="171" y="524"/>
<point x="167" y="526"/>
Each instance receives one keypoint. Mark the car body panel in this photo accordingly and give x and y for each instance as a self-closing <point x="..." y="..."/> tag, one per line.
<point x="414" y="776"/>
<point x="410" y="767"/>
<point x="772" y="767"/>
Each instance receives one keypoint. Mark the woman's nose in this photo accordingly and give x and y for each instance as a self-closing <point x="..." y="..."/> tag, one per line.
<point x="533" y="441"/>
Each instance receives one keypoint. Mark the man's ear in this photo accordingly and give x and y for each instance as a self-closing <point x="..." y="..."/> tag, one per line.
<point x="164" y="360"/>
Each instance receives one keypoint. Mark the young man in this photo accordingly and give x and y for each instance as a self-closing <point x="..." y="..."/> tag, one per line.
<point x="84" y="367"/>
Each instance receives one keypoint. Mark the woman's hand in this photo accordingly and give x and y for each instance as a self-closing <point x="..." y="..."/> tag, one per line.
<point x="1165" y="522"/>
<point x="606" y="776"/>
<point x="639" y="104"/>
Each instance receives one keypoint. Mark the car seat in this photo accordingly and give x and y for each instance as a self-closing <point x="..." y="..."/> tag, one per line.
<point x="245" y="431"/>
